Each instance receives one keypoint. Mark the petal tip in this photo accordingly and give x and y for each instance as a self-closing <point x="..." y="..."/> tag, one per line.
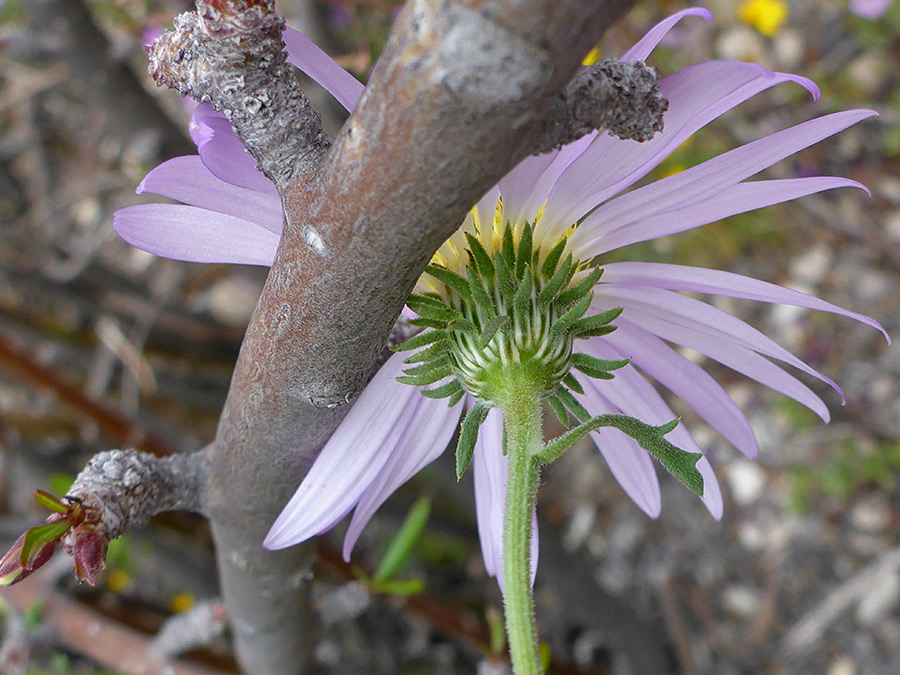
<point x="699" y="11"/>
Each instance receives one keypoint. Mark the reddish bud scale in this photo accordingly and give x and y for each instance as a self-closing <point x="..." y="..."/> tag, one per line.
<point x="70" y="524"/>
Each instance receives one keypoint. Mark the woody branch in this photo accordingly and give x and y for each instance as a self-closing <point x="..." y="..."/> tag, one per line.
<point x="464" y="90"/>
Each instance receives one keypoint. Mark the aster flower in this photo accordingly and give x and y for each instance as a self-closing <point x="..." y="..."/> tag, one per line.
<point x="232" y="213"/>
<point x="869" y="9"/>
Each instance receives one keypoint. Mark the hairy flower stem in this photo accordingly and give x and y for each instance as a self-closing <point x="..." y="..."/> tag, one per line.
<point x="522" y="419"/>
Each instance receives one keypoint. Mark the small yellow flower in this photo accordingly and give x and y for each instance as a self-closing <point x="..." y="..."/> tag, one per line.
<point x="181" y="602"/>
<point x="766" y="16"/>
<point x="593" y="56"/>
<point x="118" y="581"/>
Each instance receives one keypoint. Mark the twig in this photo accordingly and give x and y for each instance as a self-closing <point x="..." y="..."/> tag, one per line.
<point x="126" y="487"/>
<point x="622" y="97"/>
<point x="207" y="56"/>
<point x="806" y="632"/>
<point x="131" y="110"/>
<point x="85" y="631"/>
<point x="111" y="423"/>
<point x="196" y="627"/>
<point x="676" y="628"/>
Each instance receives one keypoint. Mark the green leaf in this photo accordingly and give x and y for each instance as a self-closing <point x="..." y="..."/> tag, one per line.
<point x="453" y="399"/>
<point x="463" y="325"/>
<point x="430" y="300"/>
<point x="38" y="537"/>
<point x="443" y="391"/>
<point x="450" y="279"/>
<point x="593" y="332"/>
<point x="583" y="287"/>
<point x="496" y="630"/>
<point x="398" y="587"/>
<point x="436" y="312"/>
<point x="491" y="329"/>
<point x="676" y="461"/>
<point x="423" y="322"/>
<point x="402" y="544"/>
<point x="598" y="368"/>
<point x="421" y="340"/>
<point x="553" y="257"/>
<point x="439" y="363"/>
<point x="557" y="281"/>
<point x="525" y="250"/>
<point x="468" y="434"/>
<point x="61" y="483"/>
<point x="426" y="376"/>
<point x="481" y="257"/>
<point x="50" y="502"/>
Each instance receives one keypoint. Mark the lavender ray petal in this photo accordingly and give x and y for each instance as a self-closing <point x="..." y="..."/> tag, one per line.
<point x="518" y="184"/>
<point x="550" y="230"/>
<point x="194" y="234"/>
<point x="223" y="153"/>
<point x="738" y="358"/>
<point x="629" y="463"/>
<point x="643" y="47"/>
<point x="718" y="282"/>
<point x="426" y="436"/>
<point x="489" y="467"/>
<point x="604" y="230"/>
<point x="313" y="61"/>
<point x="712" y="493"/>
<point x="350" y="461"/>
<point x="707" y="179"/>
<point x="186" y="179"/>
<point x="648" y="306"/>
<point x="688" y="381"/>
<point x="697" y="95"/>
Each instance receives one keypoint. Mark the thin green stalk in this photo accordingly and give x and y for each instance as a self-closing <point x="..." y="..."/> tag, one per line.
<point x="522" y="419"/>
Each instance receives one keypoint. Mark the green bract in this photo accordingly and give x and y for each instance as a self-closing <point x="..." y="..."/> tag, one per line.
<point x="518" y="310"/>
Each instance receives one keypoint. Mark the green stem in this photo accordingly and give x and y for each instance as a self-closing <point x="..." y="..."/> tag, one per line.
<point x="522" y="419"/>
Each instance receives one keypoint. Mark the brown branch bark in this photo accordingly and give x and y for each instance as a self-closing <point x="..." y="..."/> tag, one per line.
<point x="461" y="94"/>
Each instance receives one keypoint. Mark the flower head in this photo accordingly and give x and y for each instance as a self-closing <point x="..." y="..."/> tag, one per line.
<point x="559" y="211"/>
<point x="764" y="15"/>
<point x="869" y="9"/>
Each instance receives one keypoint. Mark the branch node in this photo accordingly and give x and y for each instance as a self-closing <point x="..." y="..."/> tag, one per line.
<point x="230" y="53"/>
<point x="622" y="97"/>
<point x="124" y="487"/>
